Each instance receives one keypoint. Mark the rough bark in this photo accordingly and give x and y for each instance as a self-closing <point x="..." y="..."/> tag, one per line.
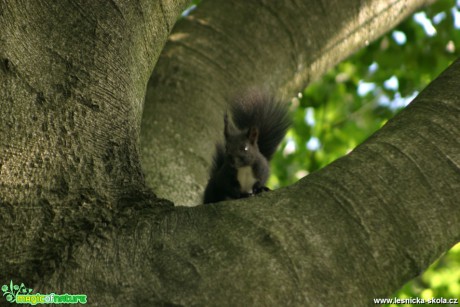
<point x="76" y="217"/>
<point x="226" y="47"/>
<point x="72" y="85"/>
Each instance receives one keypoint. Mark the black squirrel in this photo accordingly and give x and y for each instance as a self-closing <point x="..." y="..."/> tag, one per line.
<point x="241" y="168"/>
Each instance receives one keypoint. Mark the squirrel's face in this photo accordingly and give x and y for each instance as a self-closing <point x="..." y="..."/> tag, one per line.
<point x="239" y="155"/>
<point x="241" y="149"/>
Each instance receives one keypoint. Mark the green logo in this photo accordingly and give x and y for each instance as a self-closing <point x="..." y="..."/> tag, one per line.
<point x="20" y="294"/>
<point x="14" y="290"/>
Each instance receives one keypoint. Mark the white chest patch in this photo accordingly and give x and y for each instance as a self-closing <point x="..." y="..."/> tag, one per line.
<point x="246" y="179"/>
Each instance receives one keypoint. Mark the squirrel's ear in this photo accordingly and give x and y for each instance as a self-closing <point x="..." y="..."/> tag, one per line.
<point x="253" y="135"/>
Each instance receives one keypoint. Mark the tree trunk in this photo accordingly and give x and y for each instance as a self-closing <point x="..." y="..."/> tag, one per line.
<point x="77" y="217"/>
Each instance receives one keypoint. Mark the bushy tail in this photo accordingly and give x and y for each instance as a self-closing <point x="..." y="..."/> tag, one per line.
<point x="270" y="116"/>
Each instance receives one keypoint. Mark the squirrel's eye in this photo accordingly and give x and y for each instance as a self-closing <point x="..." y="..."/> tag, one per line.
<point x="246" y="148"/>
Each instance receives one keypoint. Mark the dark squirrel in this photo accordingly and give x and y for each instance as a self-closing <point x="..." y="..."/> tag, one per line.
<point x="257" y="125"/>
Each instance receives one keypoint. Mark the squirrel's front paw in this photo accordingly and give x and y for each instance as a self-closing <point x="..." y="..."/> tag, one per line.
<point x="261" y="189"/>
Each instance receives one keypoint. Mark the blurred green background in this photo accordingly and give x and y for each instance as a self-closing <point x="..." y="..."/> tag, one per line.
<point x="335" y="114"/>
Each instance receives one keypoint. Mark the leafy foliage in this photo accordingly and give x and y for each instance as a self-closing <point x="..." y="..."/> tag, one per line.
<point x="335" y="114"/>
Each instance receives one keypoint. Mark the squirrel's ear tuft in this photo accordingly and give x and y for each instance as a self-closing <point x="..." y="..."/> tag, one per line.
<point x="253" y="135"/>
